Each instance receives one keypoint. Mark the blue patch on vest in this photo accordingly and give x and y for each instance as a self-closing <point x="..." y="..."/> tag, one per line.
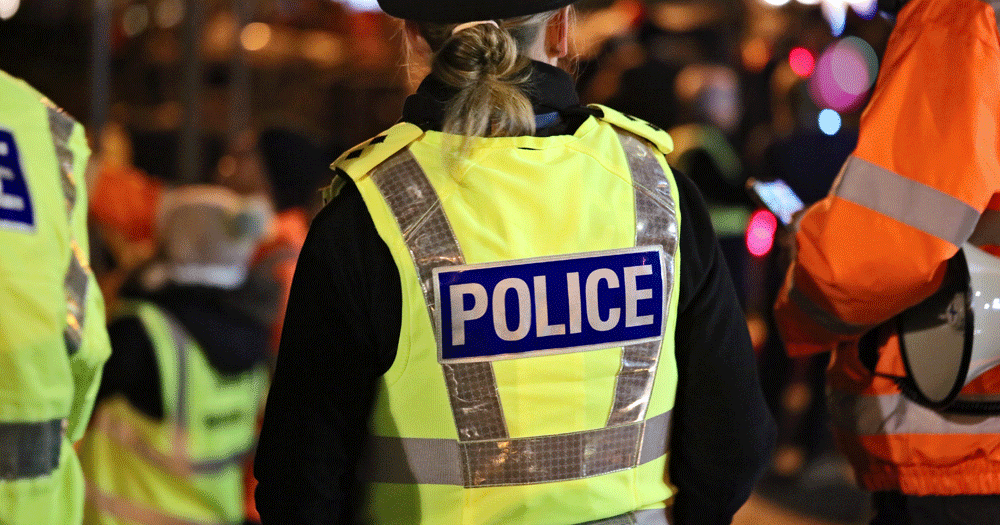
<point x="552" y="305"/>
<point x="15" y="201"/>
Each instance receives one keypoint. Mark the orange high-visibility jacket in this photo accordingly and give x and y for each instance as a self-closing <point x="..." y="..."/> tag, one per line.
<point x="924" y="179"/>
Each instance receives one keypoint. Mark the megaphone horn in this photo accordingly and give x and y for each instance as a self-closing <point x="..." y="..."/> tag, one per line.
<point x="953" y="336"/>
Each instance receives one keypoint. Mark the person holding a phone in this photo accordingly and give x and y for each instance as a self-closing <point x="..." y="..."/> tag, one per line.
<point x="923" y="180"/>
<point x="508" y="309"/>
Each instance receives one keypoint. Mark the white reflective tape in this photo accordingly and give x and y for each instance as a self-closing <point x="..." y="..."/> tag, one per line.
<point x="987" y="231"/>
<point x="927" y="209"/>
<point x="892" y="414"/>
<point x="823" y="318"/>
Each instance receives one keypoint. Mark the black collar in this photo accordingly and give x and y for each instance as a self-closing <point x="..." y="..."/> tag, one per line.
<point x="550" y="89"/>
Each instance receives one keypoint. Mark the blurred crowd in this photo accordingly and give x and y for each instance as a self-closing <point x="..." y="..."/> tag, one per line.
<point x="738" y="85"/>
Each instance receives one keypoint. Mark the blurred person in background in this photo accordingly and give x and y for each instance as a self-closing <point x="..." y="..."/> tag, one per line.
<point x="923" y="180"/>
<point x="296" y="167"/>
<point x="496" y="173"/>
<point x="673" y="69"/>
<point x="122" y="212"/>
<point x="807" y="474"/>
<point x="178" y="404"/>
<point x="53" y="339"/>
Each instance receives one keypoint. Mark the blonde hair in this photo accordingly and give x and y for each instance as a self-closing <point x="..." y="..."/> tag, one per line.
<point x="486" y="67"/>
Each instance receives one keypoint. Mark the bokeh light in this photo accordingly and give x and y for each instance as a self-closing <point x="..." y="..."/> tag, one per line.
<point x="864" y="8"/>
<point x="802" y="61"/>
<point x="844" y="74"/>
<point x="135" y="20"/>
<point x="255" y="36"/>
<point x="755" y="54"/>
<point x="8" y="8"/>
<point x="168" y="13"/>
<point x="829" y="122"/>
<point x="760" y="232"/>
<point x="361" y="5"/>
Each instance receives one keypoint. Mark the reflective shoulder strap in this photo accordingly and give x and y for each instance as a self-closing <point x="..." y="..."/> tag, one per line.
<point x="432" y="244"/>
<point x="483" y="443"/>
<point x="77" y="278"/>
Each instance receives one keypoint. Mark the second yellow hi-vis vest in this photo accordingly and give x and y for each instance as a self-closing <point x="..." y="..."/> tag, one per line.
<point x="535" y="373"/>
<point x="188" y="468"/>
<point x="53" y="340"/>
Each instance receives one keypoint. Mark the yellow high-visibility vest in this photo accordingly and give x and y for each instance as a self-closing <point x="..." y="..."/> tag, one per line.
<point x="535" y="373"/>
<point x="53" y="339"/>
<point x="188" y="467"/>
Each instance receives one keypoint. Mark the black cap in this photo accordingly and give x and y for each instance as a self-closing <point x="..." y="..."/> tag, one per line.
<point x="458" y="11"/>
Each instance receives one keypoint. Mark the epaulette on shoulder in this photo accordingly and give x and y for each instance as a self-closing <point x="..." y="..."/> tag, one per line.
<point x="360" y="160"/>
<point x="651" y="132"/>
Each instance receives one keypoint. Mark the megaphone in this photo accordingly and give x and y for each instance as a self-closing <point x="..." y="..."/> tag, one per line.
<point x="953" y="336"/>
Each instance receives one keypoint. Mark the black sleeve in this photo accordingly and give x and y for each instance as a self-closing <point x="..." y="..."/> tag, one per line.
<point x="132" y="369"/>
<point x="722" y="430"/>
<point x="340" y="335"/>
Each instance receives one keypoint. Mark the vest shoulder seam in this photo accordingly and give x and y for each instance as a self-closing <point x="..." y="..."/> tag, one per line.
<point x="360" y="160"/>
<point x="651" y="132"/>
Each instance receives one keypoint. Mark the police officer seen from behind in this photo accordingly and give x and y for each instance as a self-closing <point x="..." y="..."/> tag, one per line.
<point x="53" y="340"/>
<point x="514" y="306"/>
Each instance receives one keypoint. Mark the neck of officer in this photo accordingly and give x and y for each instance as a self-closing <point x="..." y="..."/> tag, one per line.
<point x="551" y="90"/>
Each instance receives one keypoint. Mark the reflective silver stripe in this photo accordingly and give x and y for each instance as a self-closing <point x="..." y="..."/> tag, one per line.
<point x="520" y="461"/>
<point x="822" y="317"/>
<point x="472" y="389"/>
<point x="987" y="231"/>
<point x="76" y="286"/>
<point x="486" y="455"/>
<point x="908" y="201"/>
<point x="896" y="414"/>
<point x="181" y="342"/>
<point x="29" y="450"/>
<point x="61" y="128"/>
<point x="656" y="223"/>
<point x="132" y="512"/>
<point x="639" y="517"/>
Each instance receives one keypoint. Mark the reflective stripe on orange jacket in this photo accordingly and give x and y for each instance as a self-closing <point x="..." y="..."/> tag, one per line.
<point x="925" y="173"/>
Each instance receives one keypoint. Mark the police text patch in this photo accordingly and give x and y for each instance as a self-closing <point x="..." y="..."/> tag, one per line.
<point x="15" y="201"/>
<point x="551" y="305"/>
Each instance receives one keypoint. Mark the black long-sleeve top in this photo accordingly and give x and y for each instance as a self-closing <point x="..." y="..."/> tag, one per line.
<point x="341" y="333"/>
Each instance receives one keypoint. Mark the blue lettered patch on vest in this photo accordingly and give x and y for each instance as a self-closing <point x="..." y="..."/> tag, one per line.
<point x="15" y="201"/>
<point x="531" y="307"/>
